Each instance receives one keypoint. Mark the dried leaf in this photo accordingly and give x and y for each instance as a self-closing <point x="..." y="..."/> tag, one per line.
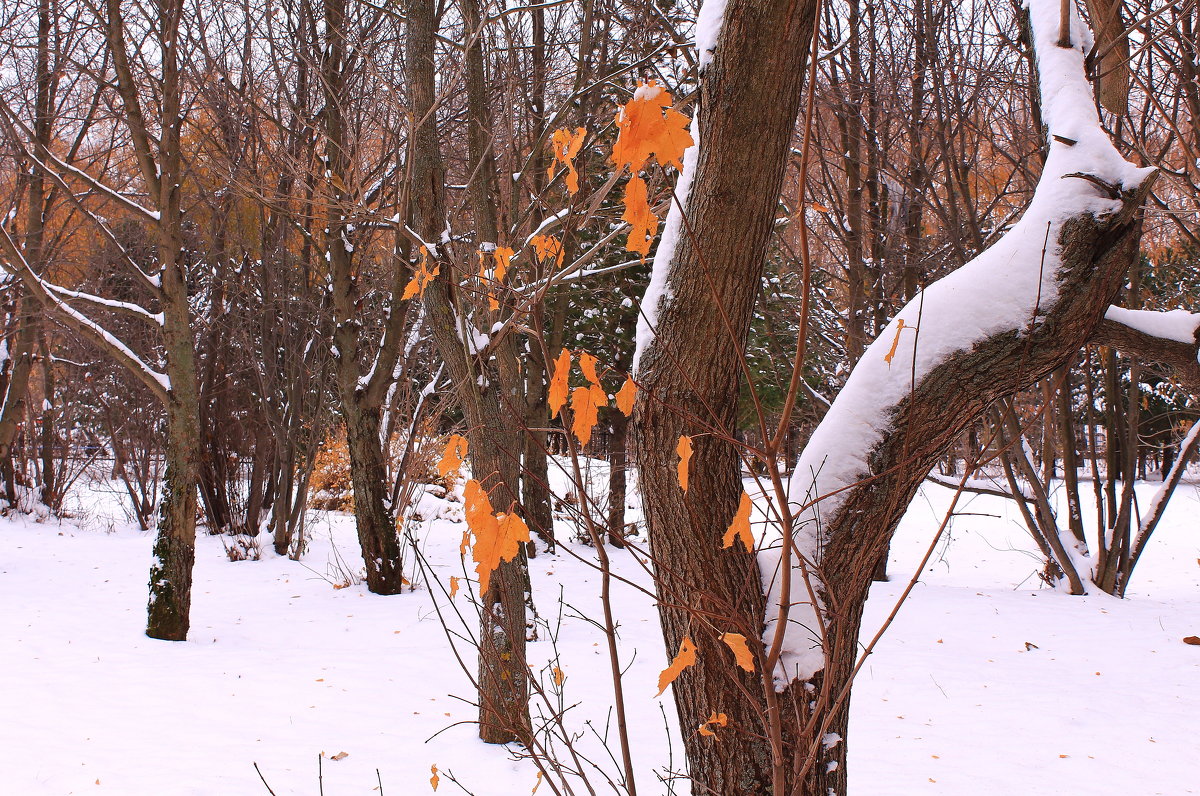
<point x="548" y="248"/>
<point x="559" y="676"/>
<point x="464" y="547"/>
<point x="503" y="257"/>
<point x="685" y="658"/>
<point x="1193" y="640"/>
<point x="714" y="720"/>
<point x="453" y="586"/>
<point x="587" y="365"/>
<point x="737" y="643"/>
<point x="626" y="396"/>
<point x="820" y="208"/>
<point x="740" y="527"/>
<point x="498" y="537"/>
<point x="892" y="351"/>
<point x="537" y="784"/>
<point x="643" y="224"/>
<point x="649" y="126"/>
<point x="421" y="278"/>
<point x="453" y="455"/>
<point x="435" y="779"/>
<point x="340" y="756"/>
<point x="565" y="146"/>
<point x="684" y="449"/>
<point x="585" y="408"/>
<point x="558" y="383"/>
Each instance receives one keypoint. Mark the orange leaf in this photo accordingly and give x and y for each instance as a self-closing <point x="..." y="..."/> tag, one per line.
<point x="503" y="256"/>
<point x="585" y="406"/>
<point x="453" y="455"/>
<point x="421" y="278"/>
<point x="892" y="352"/>
<point x="641" y="219"/>
<point x="558" y="383"/>
<point x="559" y="676"/>
<point x="537" y="784"/>
<point x="587" y="365"/>
<point x="740" y="527"/>
<point x="453" y="586"/>
<point x="684" y="449"/>
<point x="464" y="547"/>
<point x="547" y="248"/>
<point x="498" y="537"/>
<point x="715" y="720"/>
<point x="565" y="146"/>
<point x="685" y="658"/>
<point x="649" y="126"/>
<point x="626" y="396"/>
<point x="737" y="643"/>
<point x="433" y="781"/>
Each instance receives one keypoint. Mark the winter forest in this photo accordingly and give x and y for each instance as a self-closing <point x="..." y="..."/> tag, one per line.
<point x="591" y="396"/>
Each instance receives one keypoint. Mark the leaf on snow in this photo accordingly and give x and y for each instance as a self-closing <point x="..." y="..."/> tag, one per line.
<point x="433" y="781"/>
<point x="565" y="146"/>
<point x="559" y="676"/>
<point x="892" y="351"/>
<point x="453" y="455"/>
<point x="684" y="449"/>
<point x="339" y="756"/>
<point x="685" y="658"/>
<point x="585" y="407"/>
<point x="453" y="586"/>
<point x="626" y="396"/>
<point x="741" y="652"/>
<point x="558" y="383"/>
<point x="740" y="527"/>
<point x="649" y="126"/>
<point x="641" y="219"/>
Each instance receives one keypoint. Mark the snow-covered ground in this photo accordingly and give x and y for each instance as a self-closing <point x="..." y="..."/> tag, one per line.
<point x="986" y="684"/>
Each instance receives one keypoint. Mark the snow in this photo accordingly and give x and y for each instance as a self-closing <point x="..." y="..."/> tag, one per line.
<point x="1178" y="325"/>
<point x="280" y="665"/>
<point x="708" y="28"/>
<point x="1000" y="290"/>
<point x="658" y="288"/>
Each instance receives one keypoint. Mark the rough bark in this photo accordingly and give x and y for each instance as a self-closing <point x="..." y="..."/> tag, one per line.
<point x="748" y="102"/>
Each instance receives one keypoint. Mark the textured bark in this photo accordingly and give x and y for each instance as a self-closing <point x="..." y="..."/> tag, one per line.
<point x="748" y="102"/>
<point x="487" y="389"/>
<point x="1171" y="358"/>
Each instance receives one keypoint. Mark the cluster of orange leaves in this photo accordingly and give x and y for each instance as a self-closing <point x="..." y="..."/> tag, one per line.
<point x="565" y="146"/>
<point x="421" y="278"/>
<point x="585" y="401"/>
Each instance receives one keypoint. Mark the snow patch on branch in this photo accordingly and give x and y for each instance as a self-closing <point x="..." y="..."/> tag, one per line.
<point x="708" y="29"/>
<point x="1178" y="325"/>
<point x="659" y="288"/>
<point x="1002" y="290"/>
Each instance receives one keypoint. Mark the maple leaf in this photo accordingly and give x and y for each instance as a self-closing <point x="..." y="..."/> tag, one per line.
<point x="741" y="652"/>
<point x="626" y="396"/>
<point x="453" y="586"/>
<point x="684" y="449"/>
<point x="641" y="219"/>
<point x="453" y="455"/>
<point x="740" y="527"/>
<point x="503" y="257"/>
<point x="435" y="779"/>
<point x="498" y="537"/>
<point x="558" y="383"/>
<point x="585" y="407"/>
<point x="548" y="248"/>
<point x="421" y="278"/>
<point x="565" y="146"/>
<point x="714" y="720"/>
<point x="648" y="126"/>
<point x="464" y="547"/>
<point x="587" y="366"/>
<point x="892" y="352"/>
<point x="685" y="658"/>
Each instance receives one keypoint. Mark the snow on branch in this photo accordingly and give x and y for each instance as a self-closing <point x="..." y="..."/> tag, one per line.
<point x="1009" y="288"/>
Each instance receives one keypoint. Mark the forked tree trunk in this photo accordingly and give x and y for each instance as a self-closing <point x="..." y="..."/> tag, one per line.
<point x="794" y="741"/>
